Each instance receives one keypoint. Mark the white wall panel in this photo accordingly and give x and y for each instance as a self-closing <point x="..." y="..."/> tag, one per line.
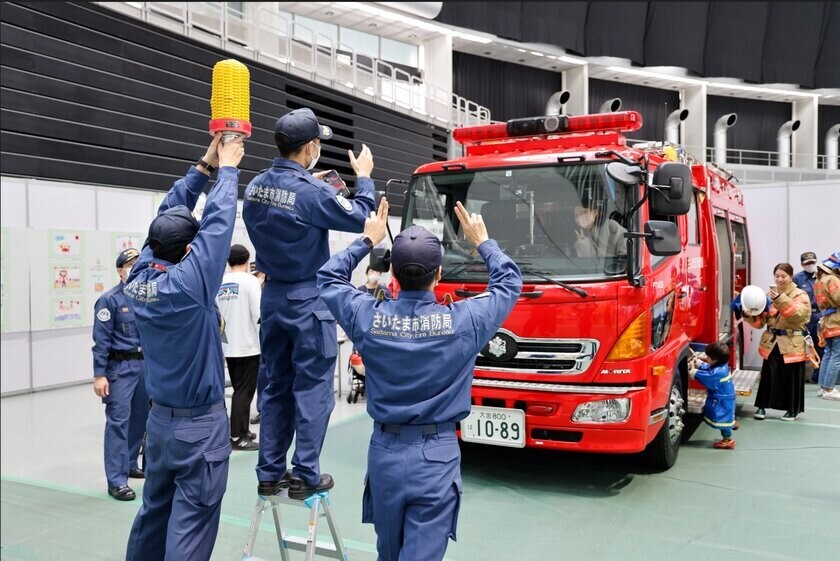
<point x="13" y="202"/>
<point x="122" y="210"/>
<point x="61" y="205"/>
<point x="814" y="219"/>
<point x="14" y="362"/>
<point x="61" y="356"/>
<point x="767" y="220"/>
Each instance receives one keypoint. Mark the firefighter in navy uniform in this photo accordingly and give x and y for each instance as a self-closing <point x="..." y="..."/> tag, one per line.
<point x="289" y="213"/>
<point x="118" y="380"/>
<point x="419" y="359"/>
<point x="172" y="290"/>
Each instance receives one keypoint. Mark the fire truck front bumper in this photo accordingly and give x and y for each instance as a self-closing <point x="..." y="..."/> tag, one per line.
<point x="601" y="419"/>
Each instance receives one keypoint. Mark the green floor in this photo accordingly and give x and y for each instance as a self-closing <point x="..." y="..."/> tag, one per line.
<point x="776" y="497"/>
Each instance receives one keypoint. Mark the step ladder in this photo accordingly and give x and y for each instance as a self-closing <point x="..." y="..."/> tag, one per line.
<point x="744" y="380"/>
<point x="316" y="503"/>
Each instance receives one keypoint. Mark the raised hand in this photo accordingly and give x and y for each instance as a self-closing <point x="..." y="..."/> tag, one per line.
<point x="376" y="227"/>
<point x="231" y="152"/>
<point x="212" y="154"/>
<point x="362" y="165"/>
<point x="472" y="225"/>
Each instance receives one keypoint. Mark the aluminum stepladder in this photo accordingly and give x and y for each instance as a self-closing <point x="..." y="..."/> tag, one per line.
<point x="316" y="503"/>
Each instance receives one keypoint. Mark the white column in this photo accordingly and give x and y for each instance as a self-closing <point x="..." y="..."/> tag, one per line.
<point x="693" y="129"/>
<point x="805" y="142"/>
<point x="576" y="81"/>
<point x="437" y="62"/>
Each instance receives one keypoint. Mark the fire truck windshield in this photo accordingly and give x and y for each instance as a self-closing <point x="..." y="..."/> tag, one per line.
<point x="565" y="222"/>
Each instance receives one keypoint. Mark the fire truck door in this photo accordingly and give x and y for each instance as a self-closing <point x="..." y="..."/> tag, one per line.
<point x="724" y="284"/>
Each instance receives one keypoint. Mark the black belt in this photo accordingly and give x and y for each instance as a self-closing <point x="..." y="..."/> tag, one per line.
<point x="788" y="332"/>
<point x="194" y="412"/>
<point x="425" y="430"/>
<point x="125" y="355"/>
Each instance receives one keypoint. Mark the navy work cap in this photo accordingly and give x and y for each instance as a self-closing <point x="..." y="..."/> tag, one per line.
<point x="419" y="247"/>
<point x="298" y="127"/>
<point x="175" y="227"/>
<point x="127" y="255"/>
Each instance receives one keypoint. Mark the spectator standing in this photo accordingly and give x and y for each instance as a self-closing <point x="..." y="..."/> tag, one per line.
<point x="827" y="292"/>
<point x="782" y="347"/>
<point x="239" y="303"/>
<point x="805" y="280"/>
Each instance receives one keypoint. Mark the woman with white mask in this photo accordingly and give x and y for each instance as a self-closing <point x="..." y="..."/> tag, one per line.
<point x="805" y="280"/>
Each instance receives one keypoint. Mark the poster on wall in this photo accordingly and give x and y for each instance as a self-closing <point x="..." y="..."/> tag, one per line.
<point x="66" y="312"/>
<point x="123" y="241"/>
<point x="66" y="245"/>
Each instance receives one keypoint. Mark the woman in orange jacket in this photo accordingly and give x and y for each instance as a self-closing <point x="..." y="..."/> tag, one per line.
<point x="827" y="295"/>
<point x="783" y="347"/>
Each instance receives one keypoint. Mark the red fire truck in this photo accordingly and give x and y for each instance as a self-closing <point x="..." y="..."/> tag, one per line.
<point x="630" y="256"/>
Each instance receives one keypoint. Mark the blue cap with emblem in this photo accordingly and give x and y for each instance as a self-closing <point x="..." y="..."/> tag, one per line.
<point x="417" y="254"/>
<point x="173" y="228"/>
<point x="298" y="127"/>
<point x="127" y="255"/>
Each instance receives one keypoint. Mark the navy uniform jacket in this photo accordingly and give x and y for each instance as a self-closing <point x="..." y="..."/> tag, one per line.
<point x="805" y="281"/>
<point x="175" y="304"/>
<point x="419" y="355"/>
<point x="719" y="409"/>
<point x="113" y="331"/>
<point x="288" y="214"/>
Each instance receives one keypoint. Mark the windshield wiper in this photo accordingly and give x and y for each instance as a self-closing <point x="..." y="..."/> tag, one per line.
<point x="461" y="267"/>
<point x="579" y="291"/>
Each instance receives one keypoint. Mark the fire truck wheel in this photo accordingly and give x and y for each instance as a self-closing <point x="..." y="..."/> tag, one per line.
<point x="662" y="452"/>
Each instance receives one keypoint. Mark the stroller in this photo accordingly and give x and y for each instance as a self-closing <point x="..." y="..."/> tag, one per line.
<point x="357" y="382"/>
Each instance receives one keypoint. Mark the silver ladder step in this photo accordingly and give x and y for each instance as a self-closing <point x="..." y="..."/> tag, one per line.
<point x="744" y="381"/>
<point x="316" y="503"/>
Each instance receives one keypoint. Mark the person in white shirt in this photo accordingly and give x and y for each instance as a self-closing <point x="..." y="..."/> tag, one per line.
<point x="239" y="304"/>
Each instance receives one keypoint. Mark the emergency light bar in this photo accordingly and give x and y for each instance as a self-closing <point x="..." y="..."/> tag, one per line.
<point x="623" y="121"/>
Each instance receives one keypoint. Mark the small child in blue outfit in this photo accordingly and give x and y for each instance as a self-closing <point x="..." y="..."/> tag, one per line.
<point x="719" y="409"/>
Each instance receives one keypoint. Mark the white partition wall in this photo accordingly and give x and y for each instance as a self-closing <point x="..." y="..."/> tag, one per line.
<point x="44" y="346"/>
<point x="785" y="220"/>
<point x="46" y="337"/>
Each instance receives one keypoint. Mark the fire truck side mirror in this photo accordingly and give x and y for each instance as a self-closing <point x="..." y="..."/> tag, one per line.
<point x="672" y="189"/>
<point x="662" y="238"/>
<point x="624" y="174"/>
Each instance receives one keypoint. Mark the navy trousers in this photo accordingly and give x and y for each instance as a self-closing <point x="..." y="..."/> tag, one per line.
<point x="298" y="343"/>
<point x="186" y="477"/>
<point x="126" y="410"/>
<point x="412" y="492"/>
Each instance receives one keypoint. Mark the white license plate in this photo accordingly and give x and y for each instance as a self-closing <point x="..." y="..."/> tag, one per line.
<point x="494" y="425"/>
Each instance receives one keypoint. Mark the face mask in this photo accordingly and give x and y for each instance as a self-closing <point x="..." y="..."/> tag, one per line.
<point x="127" y="271"/>
<point x="373" y="277"/>
<point x="810" y="268"/>
<point x="315" y="159"/>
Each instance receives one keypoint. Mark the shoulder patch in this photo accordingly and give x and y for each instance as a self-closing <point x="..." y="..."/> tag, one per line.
<point x="344" y="203"/>
<point x="103" y="315"/>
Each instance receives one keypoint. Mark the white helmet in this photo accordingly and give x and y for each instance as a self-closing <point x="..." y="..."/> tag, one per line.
<point x="753" y="300"/>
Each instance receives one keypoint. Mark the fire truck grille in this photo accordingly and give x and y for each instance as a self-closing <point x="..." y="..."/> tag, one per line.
<point x="506" y="352"/>
<point x="522" y="364"/>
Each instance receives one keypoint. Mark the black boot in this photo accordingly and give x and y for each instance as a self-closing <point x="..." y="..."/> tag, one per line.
<point x="299" y="489"/>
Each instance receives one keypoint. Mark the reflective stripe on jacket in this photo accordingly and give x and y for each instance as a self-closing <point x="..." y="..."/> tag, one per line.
<point x="827" y="295"/>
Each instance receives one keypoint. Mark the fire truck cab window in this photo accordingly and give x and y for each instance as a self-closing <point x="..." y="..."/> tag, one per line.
<point x="562" y="221"/>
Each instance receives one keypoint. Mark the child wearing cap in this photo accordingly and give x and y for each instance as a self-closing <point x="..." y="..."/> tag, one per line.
<point x="719" y="409"/>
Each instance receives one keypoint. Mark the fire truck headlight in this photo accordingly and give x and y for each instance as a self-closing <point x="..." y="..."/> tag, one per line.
<point x="604" y="411"/>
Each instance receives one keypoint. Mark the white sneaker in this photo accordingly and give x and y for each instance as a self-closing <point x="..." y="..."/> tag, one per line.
<point x="833" y="395"/>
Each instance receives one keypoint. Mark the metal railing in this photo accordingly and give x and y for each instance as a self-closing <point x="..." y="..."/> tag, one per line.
<point x="763" y="158"/>
<point x="270" y="37"/>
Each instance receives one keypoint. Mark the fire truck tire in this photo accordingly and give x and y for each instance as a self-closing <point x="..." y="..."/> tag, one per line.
<point x="662" y="452"/>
